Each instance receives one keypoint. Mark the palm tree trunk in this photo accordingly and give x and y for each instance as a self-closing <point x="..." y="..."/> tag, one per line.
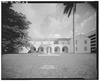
<point x="74" y="28"/>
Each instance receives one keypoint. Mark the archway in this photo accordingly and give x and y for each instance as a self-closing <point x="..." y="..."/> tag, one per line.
<point x="32" y="50"/>
<point x="65" y="49"/>
<point x="49" y="50"/>
<point x="57" y="49"/>
<point x="41" y="49"/>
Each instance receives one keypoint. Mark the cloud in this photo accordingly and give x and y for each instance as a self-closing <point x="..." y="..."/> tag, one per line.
<point x="56" y="24"/>
<point x="52" y="25"/>
<point x="25" y="9"/>
<point x="35" y="33"/>
<point x="48" y="20"/>
<point x="68" y="21"/>
<point x="69" y="34"/>
<point x="59" y="10"/>
<point x="56" y="35"/>
<point x="89" y="19"/>
<point x="88" y="24"/>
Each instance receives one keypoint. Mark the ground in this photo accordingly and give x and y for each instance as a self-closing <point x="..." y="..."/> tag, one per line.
<point x="49" y="66"/>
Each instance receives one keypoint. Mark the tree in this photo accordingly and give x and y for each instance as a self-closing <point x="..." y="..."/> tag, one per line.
<point x="72" y="6"/>
<point x="68" y="9"/>
<point x="14" y="29"/>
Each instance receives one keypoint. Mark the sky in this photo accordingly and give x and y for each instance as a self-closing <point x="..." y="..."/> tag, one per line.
<point x="49" y="21"/>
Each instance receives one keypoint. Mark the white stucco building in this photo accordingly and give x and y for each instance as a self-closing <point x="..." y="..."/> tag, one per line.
<point x="60" y="45"/>
<point x="82" y="44"/>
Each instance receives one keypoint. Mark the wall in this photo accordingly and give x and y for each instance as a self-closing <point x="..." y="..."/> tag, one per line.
<point x="80" y="45"/>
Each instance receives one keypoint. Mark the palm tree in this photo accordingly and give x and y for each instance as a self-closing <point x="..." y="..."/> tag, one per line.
<point x="68" y="9"/>
<point x="72" y="6"/>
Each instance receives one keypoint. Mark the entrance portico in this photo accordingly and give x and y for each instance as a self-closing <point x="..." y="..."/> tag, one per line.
<point x="49" y="50"/>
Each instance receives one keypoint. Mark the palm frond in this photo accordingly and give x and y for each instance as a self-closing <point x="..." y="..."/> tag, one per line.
<point x="70" y="11"/>
<point x="69" y="7"/>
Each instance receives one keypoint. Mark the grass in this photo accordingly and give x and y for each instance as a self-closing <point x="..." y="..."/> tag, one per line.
<point x="52" y="66"/>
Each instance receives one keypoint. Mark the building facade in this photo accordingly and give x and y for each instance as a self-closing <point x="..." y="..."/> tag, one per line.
<point x="82" y="44"/>
<point x="50" y="45"/>
<point x="60" y="45"/>
<point x="93" y="41"/>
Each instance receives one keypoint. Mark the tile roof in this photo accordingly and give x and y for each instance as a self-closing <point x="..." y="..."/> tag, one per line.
<point x="50" y="39"/>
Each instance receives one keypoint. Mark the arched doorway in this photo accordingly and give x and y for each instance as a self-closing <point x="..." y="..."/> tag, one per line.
<point x="41" y="49"/>
<point x="65" y="49"/>
<point x="32" y="50"/>
<point x="49" y="50"/>
<point x="57" y="49"/>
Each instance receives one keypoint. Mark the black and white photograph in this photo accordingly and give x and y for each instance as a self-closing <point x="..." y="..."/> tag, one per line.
<point x="49" y="40"/>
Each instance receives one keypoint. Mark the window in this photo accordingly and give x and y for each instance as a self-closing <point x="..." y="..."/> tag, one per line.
<point x="38" y="42"/>
<point x="55" y="42"/>
<point x="45" y="42"/>
<point x="85" y="48"/>
<point x="92" y="35"/>
<point x="51" y="42"/>
<point x="76" y="41"/>
<point x="93" y="41"/>
<point x="63" y="42"/>
<point x="93" y="38"/>
<point x="85" y="42"/>
<point x="76" y="48"/>
<point x="68" y="42"/>
<point x="93" y="44"/>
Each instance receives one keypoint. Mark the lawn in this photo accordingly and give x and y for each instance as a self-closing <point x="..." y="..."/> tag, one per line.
<point x="49" y="66"/>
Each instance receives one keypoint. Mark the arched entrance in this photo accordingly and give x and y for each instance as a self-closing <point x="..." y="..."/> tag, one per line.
<point x="65" y="49"/>
<point x="57" y="49"/>
<point x="49" y="50"/>
<point x="41" y="49"/>
<point x="32" y="50"/>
